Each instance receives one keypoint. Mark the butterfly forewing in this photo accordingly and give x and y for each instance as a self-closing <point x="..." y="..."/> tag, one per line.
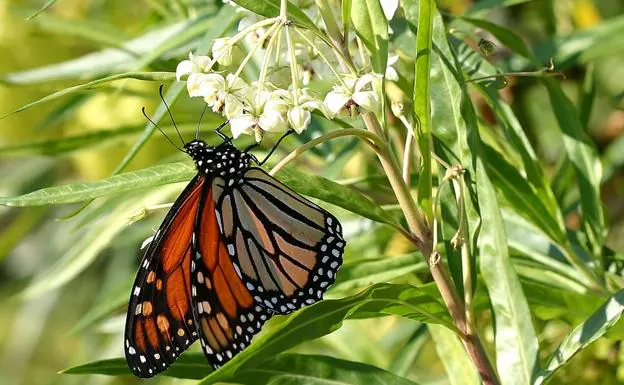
<point x="226" y="314"/>
<point x="159" y="323"/>
<point x="286" y="248"/>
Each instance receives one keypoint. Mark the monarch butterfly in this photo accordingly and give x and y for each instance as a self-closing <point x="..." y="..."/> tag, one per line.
<point x="236" y="248"/>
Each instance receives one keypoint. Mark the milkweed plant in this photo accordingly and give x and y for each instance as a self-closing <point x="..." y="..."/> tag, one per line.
<point x="443" y="166"/>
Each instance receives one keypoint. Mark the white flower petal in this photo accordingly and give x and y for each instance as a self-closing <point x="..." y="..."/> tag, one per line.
<point x="275" y="105"/>
<point x="391" y="74"/>
<point x="364" y="80"/>
<point x="222" y="51"/>
<point x="272" y="121"/>
<point x="367" y="100"/>
<point x="242" y="124"/>
<point x="194" y="83"/>
<point x="185" y="67"/>
<point x="299" y="119"/>
<point x="335" y="101"/>
<point x="200" y="62"/>
<point x="233" y="106"/>
<point x="235" y="83"/>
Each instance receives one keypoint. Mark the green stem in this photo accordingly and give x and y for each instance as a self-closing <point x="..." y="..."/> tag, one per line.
<point x="239" y="36"/>
<point x="258" y="44"/>
<point x="369" y="137"/>
<point x="293" y="66"/>
<point x="323" y="57"/>
<point x="283" y="10"/>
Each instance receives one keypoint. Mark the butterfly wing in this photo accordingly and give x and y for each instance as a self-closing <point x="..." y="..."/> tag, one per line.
<point x="286" y="248"/>
<point x="159" y="323"/>
<point x="226" y="313"/>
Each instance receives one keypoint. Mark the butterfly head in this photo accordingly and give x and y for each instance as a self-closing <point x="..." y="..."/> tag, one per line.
<point x="224" y="160"/>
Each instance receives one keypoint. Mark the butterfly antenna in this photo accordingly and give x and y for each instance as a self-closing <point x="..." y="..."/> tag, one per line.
<point x="272" y="149"/>
<point x="160" y="91"/>
<point x="199" y="123"/>
<point x="159" y="129"/>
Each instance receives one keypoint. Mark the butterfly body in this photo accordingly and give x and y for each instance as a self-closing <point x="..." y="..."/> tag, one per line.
<point x="236" y="248"/>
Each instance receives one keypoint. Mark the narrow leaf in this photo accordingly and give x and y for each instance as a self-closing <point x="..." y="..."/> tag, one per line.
<point x="147" y="76"/>
<point x="459" y="369"/>
<point x="100" y="63"/>
<point x="584" y="157"/>
<point x="366" y="272"/>
<point x="327" y="316"/>
<point x="189" y="365"/>
<point x="370" y="24"/>
<point x="334" y="193"/>
<point x="582" y="336"/>
<point x="288" y="369"/>
<point x="271" y="8"/>
<point x="47" y="5"/>
<point x="504" y="35"/>
<point x="78" y="192"/>
<point x="421" y="99"/>
<point x="516" y="342"/>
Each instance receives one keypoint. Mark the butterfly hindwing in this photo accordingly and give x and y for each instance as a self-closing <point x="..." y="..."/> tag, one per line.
<point x="226" y="313"/>
<point x="286" y="248"/>
<point x="159" y="322"/>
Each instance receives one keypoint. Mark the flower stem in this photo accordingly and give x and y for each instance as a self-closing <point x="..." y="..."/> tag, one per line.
<point x="293" y="65"/>
<point x="369" y="137"/>
<point x="254" y="49"/>
<point x="329" y="65"/>
<point x="239" y="36"/>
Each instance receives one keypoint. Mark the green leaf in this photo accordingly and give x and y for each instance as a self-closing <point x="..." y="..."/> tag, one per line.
<point x="212" y="27"/>
<point x="346" y="17"/>
<point x="532" y="244"/>
<point x="584" y="157"/>
<point x="271" y="8"/>
<point x="47" y="5"/>
<point x="613" y="157"/>
<point x="409" y="354"/>
<point x="504" y="35"/>
<point x="188" y="365"/>
<point x="224" y="21"/>
<point x="520" y="195"/>
<point x="582" y="336"/>
<point x="111" y="60"/>
<point x="88" y="246"/>
<point x="584" y="45"/>
<point x="147" y="76"/>
<point x="289" y="369"/>
<point x="65" y="144"/>
<point x="105" y="306"/>
<point x="370" y="24"/>
<point x="99" y="33"/>
<point x="306" y="184"/>
<point x="327" y="316"/>
<point x="366" y="272"/>
<point x="334" y="193"/>
<point x="454" y="129"/>
<point x="78" y="192"/>
<point x="421" y="99"/>
<point x="516" y="342"/>
<point x="459" y="369"/>
<point x="487" y="5"/>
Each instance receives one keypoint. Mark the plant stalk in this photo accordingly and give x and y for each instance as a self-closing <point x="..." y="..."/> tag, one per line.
<point x="439" y="271"/>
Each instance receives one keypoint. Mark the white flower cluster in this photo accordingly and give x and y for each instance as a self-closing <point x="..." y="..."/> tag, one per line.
<point x="257" y="108"/>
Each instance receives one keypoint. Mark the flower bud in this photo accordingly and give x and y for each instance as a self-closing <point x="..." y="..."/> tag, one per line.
<point x="299" y="119"/>
<point x="222" y="51"/>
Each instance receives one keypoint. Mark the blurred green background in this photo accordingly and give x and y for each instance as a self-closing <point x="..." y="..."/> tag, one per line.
<point x="43" y="332"/>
